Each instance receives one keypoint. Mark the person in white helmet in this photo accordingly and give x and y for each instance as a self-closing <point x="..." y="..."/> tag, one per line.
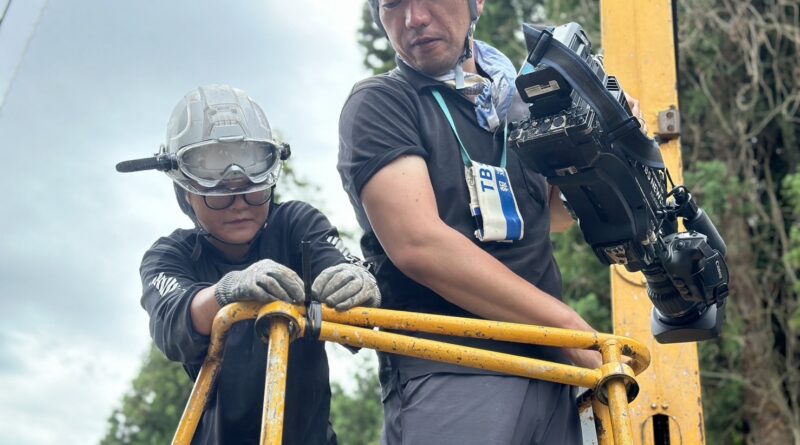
<point x="245" y="247"/>
<point x="415" y="144"/>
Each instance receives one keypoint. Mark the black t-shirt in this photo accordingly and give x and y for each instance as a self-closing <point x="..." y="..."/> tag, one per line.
<point x="171" y="278"/>
<point x="393" y="115"/>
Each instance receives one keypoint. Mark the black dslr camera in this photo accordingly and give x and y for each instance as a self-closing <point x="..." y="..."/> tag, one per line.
<point x="581" y="136"/>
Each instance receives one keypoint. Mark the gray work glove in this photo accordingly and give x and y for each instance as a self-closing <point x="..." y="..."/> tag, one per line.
<point x="346" y="285"/>
<point x="264" y="281"/>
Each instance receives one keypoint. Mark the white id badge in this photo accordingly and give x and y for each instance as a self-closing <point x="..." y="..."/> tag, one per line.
<point x="492" y="203"/>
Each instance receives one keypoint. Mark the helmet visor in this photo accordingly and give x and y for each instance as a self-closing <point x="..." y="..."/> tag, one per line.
<point x="213" y="163"/>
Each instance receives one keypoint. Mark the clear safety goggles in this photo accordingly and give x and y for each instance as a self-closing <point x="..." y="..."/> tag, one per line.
<point x="215" y="164"/>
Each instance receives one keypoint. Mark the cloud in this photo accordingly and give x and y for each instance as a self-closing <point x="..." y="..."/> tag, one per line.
<point x="95" y="87"/>
<point x="59" y="396"/>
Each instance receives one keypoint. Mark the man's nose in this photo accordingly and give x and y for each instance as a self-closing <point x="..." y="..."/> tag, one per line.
<point x="417" y="14"/>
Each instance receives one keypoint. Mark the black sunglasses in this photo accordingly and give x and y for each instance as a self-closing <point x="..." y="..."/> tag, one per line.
<point x="222" y="202"/>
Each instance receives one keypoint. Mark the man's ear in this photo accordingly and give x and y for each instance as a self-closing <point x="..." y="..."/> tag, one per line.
<point x="479" y="6"/>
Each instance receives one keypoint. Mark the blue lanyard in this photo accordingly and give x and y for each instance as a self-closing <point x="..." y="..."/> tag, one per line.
<point x="464" y="154"/>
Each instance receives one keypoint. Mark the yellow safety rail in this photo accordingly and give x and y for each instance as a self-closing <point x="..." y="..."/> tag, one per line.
<point x="279" y="323"/>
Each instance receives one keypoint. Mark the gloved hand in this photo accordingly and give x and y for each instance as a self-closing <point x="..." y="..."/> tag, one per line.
<point x="346" y="285"/>
<point x="263" y="281"/>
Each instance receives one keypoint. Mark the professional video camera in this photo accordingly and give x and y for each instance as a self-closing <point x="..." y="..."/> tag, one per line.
<point x="581" y="136"/>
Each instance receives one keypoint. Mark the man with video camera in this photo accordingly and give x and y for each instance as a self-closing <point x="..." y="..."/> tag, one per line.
<point x="455" y="225"/>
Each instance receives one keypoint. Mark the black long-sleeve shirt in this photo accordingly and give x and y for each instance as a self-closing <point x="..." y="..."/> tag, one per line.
<point x="171" y="278"/>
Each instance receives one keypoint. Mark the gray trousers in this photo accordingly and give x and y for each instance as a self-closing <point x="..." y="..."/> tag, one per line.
<point x="467" y="409"/>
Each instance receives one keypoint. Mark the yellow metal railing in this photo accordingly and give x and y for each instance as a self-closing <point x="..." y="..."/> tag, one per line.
<point x="278" y="323"/>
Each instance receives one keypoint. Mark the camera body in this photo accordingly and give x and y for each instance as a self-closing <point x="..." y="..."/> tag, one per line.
<point x="615" y="184"/>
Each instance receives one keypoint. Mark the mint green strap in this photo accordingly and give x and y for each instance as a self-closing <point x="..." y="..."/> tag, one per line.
<point x="464" y="154"/>
<point x="505" y="144"/>
<point x="440" y="100"/>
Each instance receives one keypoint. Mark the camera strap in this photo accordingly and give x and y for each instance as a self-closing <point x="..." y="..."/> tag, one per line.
<point x="492" y="202"/>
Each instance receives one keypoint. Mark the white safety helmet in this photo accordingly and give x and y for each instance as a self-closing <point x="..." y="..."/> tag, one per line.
<point x="219" y="142"/>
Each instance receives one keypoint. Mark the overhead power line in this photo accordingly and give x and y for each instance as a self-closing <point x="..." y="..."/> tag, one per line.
<point x="22" y="56"/>
<point x="5" y="11"/>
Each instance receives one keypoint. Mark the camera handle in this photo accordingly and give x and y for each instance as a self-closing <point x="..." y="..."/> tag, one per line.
<point x="696" y="219"/>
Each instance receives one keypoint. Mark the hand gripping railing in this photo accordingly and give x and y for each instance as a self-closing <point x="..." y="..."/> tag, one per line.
<point x="278" y="323"/>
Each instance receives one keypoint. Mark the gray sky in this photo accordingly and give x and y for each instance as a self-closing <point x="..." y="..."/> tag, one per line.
<point x="94" y="87"/>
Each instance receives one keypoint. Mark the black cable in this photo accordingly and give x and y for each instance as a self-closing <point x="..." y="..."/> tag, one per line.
<point x="22" y="56"/>
<point x="669" y="177"/>
<point x="675" y="38"/>
<point x="5" y="11"/>
<point x="313" y="308"/>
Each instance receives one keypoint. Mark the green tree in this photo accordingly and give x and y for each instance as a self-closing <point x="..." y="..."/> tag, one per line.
<point x="357" y="417"/>
<point x="379" y="55"/>
<point x="791" y="189"/>
<point x="150" y="411"/>
<point x="739" y="111"/>
<point x="500" y="26"/>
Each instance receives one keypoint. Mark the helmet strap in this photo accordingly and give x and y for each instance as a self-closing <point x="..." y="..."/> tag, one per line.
<point x="459" y="68"/>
